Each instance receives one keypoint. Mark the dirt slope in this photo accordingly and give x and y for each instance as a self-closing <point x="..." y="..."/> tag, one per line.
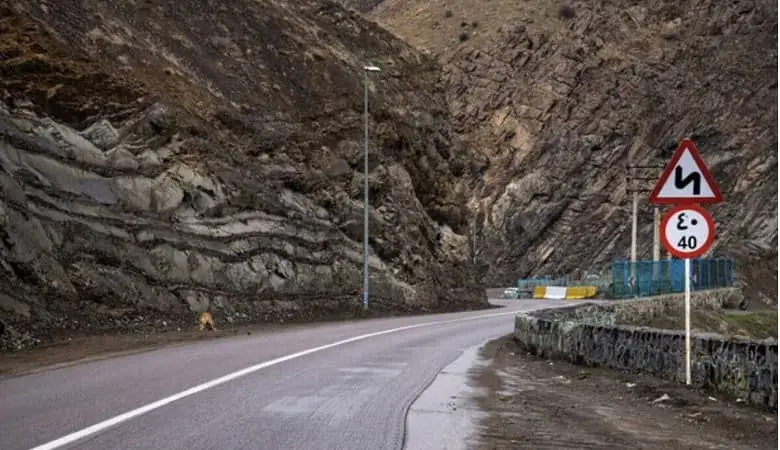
<point x="557" y="96"/>
<point x="160" y="158"/>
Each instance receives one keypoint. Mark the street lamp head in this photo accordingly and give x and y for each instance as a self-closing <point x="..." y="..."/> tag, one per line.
<point x="371" y="69"/>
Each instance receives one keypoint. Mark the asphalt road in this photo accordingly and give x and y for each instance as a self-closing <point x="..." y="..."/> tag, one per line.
<point x="275" y="390"/>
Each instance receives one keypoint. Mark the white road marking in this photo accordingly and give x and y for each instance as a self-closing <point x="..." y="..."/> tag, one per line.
<point x="124" y="417"/>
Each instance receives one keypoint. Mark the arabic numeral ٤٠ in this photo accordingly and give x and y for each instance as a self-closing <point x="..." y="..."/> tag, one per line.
<point x="687" y="243"/>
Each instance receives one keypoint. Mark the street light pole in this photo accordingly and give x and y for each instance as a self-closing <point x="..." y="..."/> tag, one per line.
<point x="366" y="70"/>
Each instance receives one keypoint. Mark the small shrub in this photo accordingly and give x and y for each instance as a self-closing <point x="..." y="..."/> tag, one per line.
<point x="475" y="24"/>
<point x="448" y="13"/>
<point x="463" y="37"/>
<point x="566" y="12"/>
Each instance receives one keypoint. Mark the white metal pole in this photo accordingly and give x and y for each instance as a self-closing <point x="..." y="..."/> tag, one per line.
<point x="366" y="69"/>
<point x="656" y="250"/>
<point x="474" y="241"/>
<point x="365" y="190"/>
<point x="687" y="321"/>
<point x="634" y="212"/>
<point x="656" y="234"/>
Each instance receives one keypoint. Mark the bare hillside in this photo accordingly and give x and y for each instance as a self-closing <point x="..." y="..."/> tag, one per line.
<point x="557" y="96"/>
<point x="162" y="158"/>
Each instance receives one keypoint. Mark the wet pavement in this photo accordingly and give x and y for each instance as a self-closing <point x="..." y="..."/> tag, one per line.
<point x="444" y="417"/>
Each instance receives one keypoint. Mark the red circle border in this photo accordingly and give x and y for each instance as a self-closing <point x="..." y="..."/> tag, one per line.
<point x="699" y="251"/>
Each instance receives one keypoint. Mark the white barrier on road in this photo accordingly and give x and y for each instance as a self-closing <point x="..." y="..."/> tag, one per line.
<point x="568" y="292"/>
<point x="555" y="293"/>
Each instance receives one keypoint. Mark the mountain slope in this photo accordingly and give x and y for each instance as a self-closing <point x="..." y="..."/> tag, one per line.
<point x="160" y="158"/>
<point x="561" y="96"/>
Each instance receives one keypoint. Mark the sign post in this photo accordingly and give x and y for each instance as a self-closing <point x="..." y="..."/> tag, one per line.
<point x="687" y="321"/>
<point x="687" y="229"/>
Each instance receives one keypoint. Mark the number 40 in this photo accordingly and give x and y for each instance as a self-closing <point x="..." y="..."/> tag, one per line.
<point x="687" y="242"/>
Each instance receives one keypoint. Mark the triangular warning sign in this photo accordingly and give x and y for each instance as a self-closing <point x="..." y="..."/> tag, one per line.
<point x="686" y="179"/>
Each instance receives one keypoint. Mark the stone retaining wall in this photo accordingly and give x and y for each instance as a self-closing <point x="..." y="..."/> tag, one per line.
<point x="587" y="334"/>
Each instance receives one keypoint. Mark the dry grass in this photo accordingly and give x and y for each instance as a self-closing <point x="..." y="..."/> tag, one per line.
<point x="755" y="324"/>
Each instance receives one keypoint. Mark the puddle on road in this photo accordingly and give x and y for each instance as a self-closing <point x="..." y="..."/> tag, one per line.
<point x="445" y="417"/>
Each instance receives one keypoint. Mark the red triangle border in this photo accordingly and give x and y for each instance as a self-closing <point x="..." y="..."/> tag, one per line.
<point x="685" y="144"/>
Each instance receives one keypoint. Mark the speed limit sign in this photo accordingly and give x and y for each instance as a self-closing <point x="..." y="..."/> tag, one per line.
<point x="687" y="231"/>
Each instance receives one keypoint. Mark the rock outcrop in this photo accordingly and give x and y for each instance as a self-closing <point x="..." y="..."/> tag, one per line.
<point x="560" y="97"/>
<point x="162" y="158"/>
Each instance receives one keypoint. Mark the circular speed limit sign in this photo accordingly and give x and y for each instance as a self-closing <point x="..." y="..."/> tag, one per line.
<point x="687" y="231"/>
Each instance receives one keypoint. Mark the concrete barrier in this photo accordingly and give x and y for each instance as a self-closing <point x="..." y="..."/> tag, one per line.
<point x="555" y="293"/>
<point x="587" y="334"/>
<point x="569" y="292"/>
<point x="581" y="292"/>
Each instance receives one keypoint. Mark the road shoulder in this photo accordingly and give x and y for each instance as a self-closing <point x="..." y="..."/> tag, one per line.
<point x="534" y="403"/>
<point x="80" y="349"/>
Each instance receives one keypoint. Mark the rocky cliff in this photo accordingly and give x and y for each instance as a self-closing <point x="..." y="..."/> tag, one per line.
<point x="162" y="158"/>
<point x="559" y="97"/>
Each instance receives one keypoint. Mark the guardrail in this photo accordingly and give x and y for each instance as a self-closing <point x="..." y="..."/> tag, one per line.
<point x="667" y="276"/>
<point x="649" y="278"/>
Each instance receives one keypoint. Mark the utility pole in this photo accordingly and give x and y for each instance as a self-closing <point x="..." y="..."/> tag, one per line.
<point x="634" y="213"/>
<point x="366" y="70"/>
<point x="474" y="243"/>
<point x="656" y="240"/>
<point x="639" y="176"/>
<point x="656" y="234"/>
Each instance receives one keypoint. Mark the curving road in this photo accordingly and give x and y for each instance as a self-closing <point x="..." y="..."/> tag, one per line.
<point x="333" y="386"/>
